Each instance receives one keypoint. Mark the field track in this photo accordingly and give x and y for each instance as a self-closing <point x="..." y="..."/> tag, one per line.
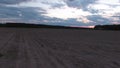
<point x="59" y="48"/>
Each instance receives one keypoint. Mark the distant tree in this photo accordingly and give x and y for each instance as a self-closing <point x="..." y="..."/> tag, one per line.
<point x="107" y="27"/>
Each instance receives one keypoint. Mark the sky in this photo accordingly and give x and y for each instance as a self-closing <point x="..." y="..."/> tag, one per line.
<point x="61" y="12"/>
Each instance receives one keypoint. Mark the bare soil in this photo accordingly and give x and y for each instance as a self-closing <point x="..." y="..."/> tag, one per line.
<point x="59" y="48"/>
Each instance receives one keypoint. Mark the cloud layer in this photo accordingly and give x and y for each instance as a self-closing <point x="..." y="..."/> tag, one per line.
<point x="63" y="12"/>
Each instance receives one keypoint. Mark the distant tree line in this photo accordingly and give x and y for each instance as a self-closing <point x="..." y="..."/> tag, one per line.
<point x="26" y="25"/>
<point x="107" y="27"/>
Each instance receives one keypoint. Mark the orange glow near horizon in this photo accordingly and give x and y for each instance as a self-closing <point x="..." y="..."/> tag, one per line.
<point x="84" y="26"/>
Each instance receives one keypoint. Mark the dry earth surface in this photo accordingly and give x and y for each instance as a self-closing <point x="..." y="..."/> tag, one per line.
<point x="59" y="48"/>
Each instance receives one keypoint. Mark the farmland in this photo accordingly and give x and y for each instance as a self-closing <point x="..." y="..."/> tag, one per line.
<point x="59" y="48"/>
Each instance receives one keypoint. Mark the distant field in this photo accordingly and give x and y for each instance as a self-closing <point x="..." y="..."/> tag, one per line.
<point x="59" y="48"/>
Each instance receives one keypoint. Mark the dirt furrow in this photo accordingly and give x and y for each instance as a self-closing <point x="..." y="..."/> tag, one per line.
<point x="59" y="63"/>
<point x="41" y="58"/>
<point x="5" y="40"/>
<point x="9" y="52"/>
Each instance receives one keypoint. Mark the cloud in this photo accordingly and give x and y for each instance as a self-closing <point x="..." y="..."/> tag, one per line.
<point x="12" y="1"/>
<point x="79" y="3"/>
<point x="63" y="12"/>
<point x="66" y="12"/>
<point x="39" y="3"/>
<point x="109" y="2"/>
<point x="106" y="9"/>
<point x="105" y="6"/>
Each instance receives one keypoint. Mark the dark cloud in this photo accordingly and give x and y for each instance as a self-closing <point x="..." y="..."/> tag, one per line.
<point x="70" y="22"/>
<point x="21" y="13"/>
<point x="79" y="3"/>
<point x="12" y="1"/>
<point x="97" y="19"/>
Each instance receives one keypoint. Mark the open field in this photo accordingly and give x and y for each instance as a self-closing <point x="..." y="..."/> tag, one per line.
<point x="59" y="48"/>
